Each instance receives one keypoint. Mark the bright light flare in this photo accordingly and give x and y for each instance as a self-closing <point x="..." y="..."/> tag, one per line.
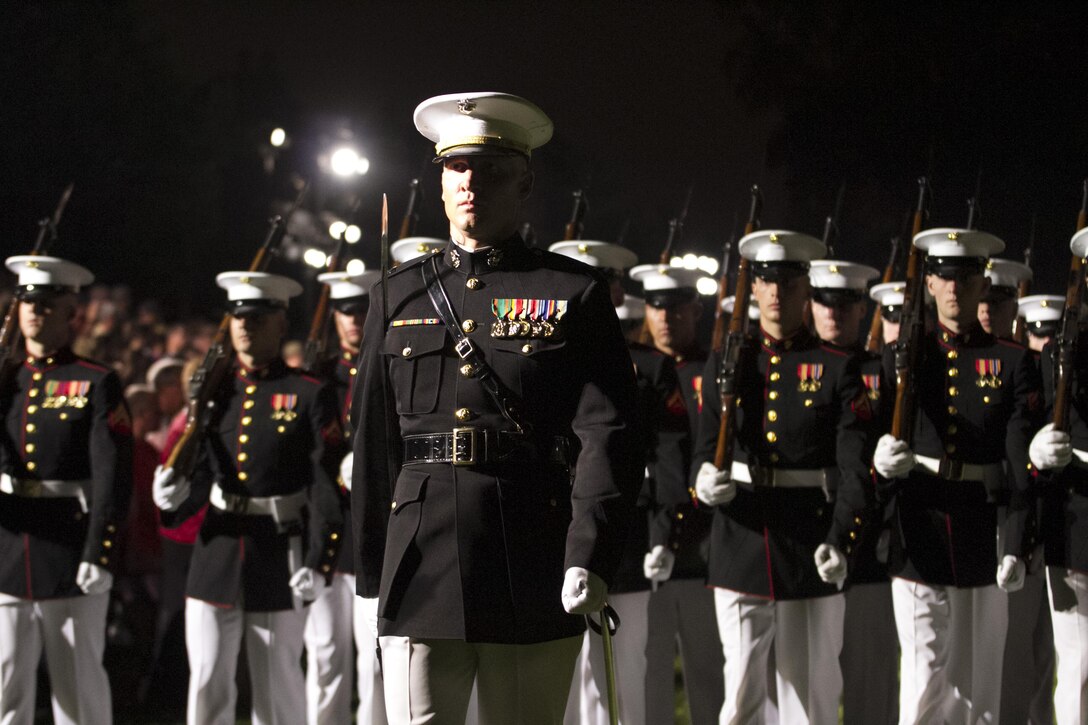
<point x="353" y="234"/>
<point x="315" y="258"/>
<point x="707" y="286"/>
<point x="344" y="161"/>
<point x="278" y="137"/>
<point x="355" y="266"/>
<point x="336" y="229"/>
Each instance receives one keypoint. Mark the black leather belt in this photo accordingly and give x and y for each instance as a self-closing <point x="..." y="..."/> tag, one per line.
<point x="462" y="446"/>
<point x="477" y="446"/>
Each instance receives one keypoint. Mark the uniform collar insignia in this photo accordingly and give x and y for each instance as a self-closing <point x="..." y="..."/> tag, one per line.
<point x="498" y="257"/>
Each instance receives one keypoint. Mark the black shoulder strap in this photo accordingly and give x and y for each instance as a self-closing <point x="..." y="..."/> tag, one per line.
<point x="509" y="404"/>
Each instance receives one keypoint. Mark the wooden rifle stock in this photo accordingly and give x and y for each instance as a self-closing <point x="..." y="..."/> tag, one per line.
<point x="874" y="341"/>
<point x="573" y="229"/>
<point x="1018" y="332"/>
<point x="317" y="339"/>
<point x="10" y="356"/>
<point x="732" y="345"/>
<point x="911" y="330"/>
<point x="408" y="223"/>
<point x="1067" y="335"/>
<point x="217" y="363"/>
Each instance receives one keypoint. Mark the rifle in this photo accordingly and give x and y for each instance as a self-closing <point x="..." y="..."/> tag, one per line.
<point x="732" y="347"/>
<point x="1067" y="336"/>
<point x="911" y="329"/>
<point x="974" y="210"/>
<point x="876" y="326"/>
<point x="832" y="223"/>
<point x="676" y="229"/>
<point x="723" y="291"/>
<point x="208" y="378"/>
<point x="10" y="356"/>
<point x="411" y="214"/>
<point x="573" y="229"/>
<point x="317" y="340"/>
<point x="1024" y="287"/>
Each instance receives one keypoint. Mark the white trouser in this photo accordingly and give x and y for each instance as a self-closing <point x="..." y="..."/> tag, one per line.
<point x="682" y="612"/>
<point x="588" y="704"/>
<point x="1027" y="679"/>
<point x="807" y="637"/>
<point x="330" y="622"/>
<point x="1069" y="615"/>
<point x="429" y="680"/>
<point x="952" y="644"/>
<point x="869" y="658"/>
<point x="73" y="632"/>
<point x="213" y="638"/>
<point x="367" y="668"/>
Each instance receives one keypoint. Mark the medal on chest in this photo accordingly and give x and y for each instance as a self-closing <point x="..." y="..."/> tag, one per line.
<point x="520" y="317"/>
<point x="283" y="406"/>
<point x="988" y="370"/>
<point x="809" y="375"/>
<point x="66" y="393"/>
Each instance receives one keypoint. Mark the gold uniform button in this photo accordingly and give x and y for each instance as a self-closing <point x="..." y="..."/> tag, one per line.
<point x="251" y="389"/>
<point x="243" y="456"/>
<point x="952" y="429"/>
<point x="111" y="528"/>
<point x="325" y="568"/>
<point x="104" y="560"/>
<point x="952" y="354"/>
<point x="49" y="361"/>
<point x="853" y="535"/>
<point x="247" y="420"/>
<point x="242" y="475"/>
<point x="334" y="536"/>
<point x="472" y="283"/>
<point x="772" y="436"/>
<point x="552" y="502"/>
<point x="772" y="415"/>
<point x="280" y="429"/>
<point x="330" y="552"/>
<point x="985" y="398"/>
<point x="463" y="414"/>
<point x="773" y="395"/>
<point x="774" y="458"/>
<point x="393" y="505"/>
<point x="526" y="348"/>
<point x="36" y="376"/>
<point x="29" y="447"/>
<point x="33" y="392"/>
<point x="952" y="410"/>
<point x="467" y="370"/>
<point x="30" y="427"/>
<point x="775" y="377"/>
<point x="468" y="325"/>
<point x="31" y="465"/>
<point x="31" y="409"/>
<point x="63" y="416"/>
<point x="248" y="404"/>
<point x="950" y="448"/>
<point x="857" y="521"/>
<point x="808" y="402"/>
<point x="107" y="543"/>
<point x="353" y="371"/>
<point x="243" y="438"/>
<point x="953" y="372"/>
<point x="953" y="391"/>
<point x="775" y="359"/>
<point x="406" y="352"/>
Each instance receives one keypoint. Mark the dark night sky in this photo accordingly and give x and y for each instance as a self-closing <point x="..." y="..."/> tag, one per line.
<point x="158" y="114"/>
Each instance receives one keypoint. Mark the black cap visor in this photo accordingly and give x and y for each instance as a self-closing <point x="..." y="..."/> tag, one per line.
<point x="837" y="297"/>
<point x="779" y="271"/>
<point x="41" y="292"/>
<point x="254" y="308"/>
<point x="958" y="268"/>
<point x="891" y="313"/>
<point x="663" y="298"/>
<point x="352" y="305"/>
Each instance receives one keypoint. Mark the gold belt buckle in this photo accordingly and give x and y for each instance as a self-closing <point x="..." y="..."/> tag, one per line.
<point x="463" y="434"/>
<point x="951" y="469"/>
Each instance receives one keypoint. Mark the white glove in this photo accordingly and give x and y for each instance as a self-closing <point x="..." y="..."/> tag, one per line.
<point x="168" y="489"/>
<point x="1050" y="448"/>
<point x="346" y="466"/>
<point x="831" y="564"/>
<point x="93" y="579"/>
<point x="583" y="591"/>
<point x="713" y="487"/>
<point x="368" y="606"/>
<point x="892" y="457"/>
<point x="657" y="564"/>
<point x="306" y="585"/>
<point x="1010" y="574"/>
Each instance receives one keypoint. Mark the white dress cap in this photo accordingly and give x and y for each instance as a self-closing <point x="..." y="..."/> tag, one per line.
<point x="1079" y="243"/>
<point x="888" y="294"/>
<point x="344" y="286"/>
<point x="777" y="245"/>
<point x="947" y="242"/>
<point x="408" y="248"/>
<point x="258" y="287"/>
<point x="39" y="271"/>
<point x="658" y="277"/>
<point x="729" y="302"/>
<point x="1041" y="308"/>
<point x="603" y="255"/>
<point x="834" y="274"/>
<point x="474" y="123"/>
<point x="1007" y="273"/>
<point x="633" y="308"/>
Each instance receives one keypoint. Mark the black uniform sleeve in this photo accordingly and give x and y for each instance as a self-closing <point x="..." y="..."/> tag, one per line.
<point x="377" y="453"/>
<point x="1027" y="418"/>
<point x="326" y="516"/>
<point x="607" y="472"/>
<point x="111" y="469"/>
<point x="854" y="444"/>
